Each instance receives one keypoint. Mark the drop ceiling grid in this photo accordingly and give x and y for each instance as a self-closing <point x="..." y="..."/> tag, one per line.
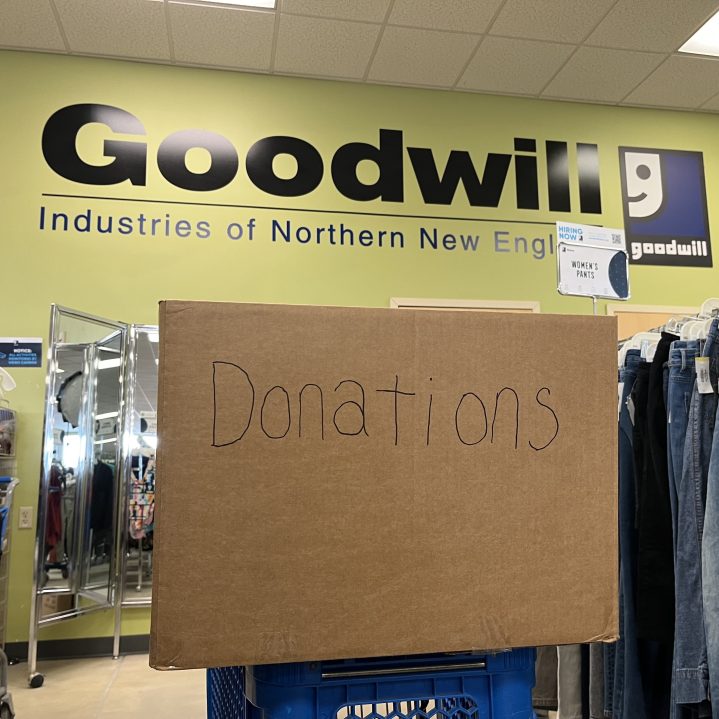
<point x="618" y="52"/>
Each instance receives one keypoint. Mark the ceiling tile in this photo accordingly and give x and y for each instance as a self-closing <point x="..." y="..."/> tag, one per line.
<point x="125" y="28"/>
<point x="459" y="15"/>
<point x="240" y="38"/>
<point x="684" y="82"/>
<point x="421" y="57"/>
<point x="29" y="23"/>
<point x="601" y="75"/>
<point x="367" y="10"/>
<point x="711" y="105"/>
<point x="545" y="21"/>
<point x="513" y="65"/>
<point x="315" y="46"/>
<point x="655" y="25"/>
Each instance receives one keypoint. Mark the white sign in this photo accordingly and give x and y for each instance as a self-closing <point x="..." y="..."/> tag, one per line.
<point x="151" y="419"/>
<point x="588" y="271"/>
<point x="591" y="235"/>
<point x="106" y="426"/>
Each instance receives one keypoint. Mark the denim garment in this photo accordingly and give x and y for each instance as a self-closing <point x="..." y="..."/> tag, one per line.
<point x="680" y="375"/>
<point x="654" y="590"/>
<point x="544" y="694"/>
<point x="710" y="563"/>
<point x="680" y="384"/>
<point x="628" y="697"/>
<point x="596" y="681"/>
<point x="691" y="672"/>
<point x="655" y="563"/>
<point x="569" y="682"/>
<point x="610" y="653"/>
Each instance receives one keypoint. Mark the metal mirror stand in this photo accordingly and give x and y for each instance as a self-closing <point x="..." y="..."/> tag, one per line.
<point x="96" y="500"/>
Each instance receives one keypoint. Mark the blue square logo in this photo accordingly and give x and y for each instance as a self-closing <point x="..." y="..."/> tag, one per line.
<point x="665" y="207"/>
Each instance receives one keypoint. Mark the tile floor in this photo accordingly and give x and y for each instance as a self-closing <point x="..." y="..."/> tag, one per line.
<point x="107" y="689"/>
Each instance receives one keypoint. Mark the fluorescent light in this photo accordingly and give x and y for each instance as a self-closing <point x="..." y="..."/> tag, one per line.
<point x="705" y="41"/>
<point x="109" y="364"/>
<point x="267" y="4"/>
<point x="107" y="415"/>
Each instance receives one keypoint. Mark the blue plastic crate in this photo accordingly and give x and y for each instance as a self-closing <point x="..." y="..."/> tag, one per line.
<point x="4" y="525"/>
<point x="439" y="686"/>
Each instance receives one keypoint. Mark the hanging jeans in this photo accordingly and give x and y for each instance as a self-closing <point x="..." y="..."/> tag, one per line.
<point x="680" y="384"/>
<point x="655" y="563"/>
<point x="596" y="681"/>
<point x="691" y="673"/>
<point x="628" y="697"/>
<point x="569" y="682"/>
<point x="654" y="590"/>
<point x="710" y="563"/>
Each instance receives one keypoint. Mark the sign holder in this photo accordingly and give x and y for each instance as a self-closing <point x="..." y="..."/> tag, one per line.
<point x="592" y="261"/>
<point x="585" y="251"/>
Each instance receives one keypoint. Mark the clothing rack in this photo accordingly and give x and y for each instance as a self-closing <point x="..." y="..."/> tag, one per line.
<point x="666" y="663"/>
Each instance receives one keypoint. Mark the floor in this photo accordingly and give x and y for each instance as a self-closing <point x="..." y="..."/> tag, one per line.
<point x="108" y="689"/>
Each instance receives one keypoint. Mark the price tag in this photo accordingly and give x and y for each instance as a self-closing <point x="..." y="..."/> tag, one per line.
<point x="631" y="408"/>
<point x="704" y="383"/>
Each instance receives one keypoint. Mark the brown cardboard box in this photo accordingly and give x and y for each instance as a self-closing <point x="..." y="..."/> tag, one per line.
<point x="54" y="603"/>
<point x="339" y="483"/>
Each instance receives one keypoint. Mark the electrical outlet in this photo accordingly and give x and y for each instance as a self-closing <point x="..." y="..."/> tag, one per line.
<point x="25" y="521"/>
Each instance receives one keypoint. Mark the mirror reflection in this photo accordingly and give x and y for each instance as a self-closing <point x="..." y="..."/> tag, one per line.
<point x="103" y="455"/>
<point x="66" y="453"/>
<point x="141" y="490"/>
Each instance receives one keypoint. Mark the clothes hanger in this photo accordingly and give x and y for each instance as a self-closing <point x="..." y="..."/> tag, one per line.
<point x="710" y="307"/>
<point x="688" y="328"/>
<point x="701" y="329"/>
<point x="641" y="341"/>
<point x="7" y="383"/>
<point x="675" y="324"/>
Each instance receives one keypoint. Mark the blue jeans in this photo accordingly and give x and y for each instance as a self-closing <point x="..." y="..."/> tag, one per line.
<point x="680" y="385"/>
<point x="710" y="564"/>
<point x="628" y="698"/>
<point x="691" y="672"/>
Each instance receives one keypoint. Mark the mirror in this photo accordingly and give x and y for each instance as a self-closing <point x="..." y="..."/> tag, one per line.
<point x="82" y="465"/>
<point x="62" y="497"/>
<point x="140" y="499"/>
<point x="95" y="531"/>
<point x="104" y="466"/>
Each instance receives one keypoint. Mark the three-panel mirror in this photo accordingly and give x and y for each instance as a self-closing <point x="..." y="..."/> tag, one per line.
<point x="96" y="510"/>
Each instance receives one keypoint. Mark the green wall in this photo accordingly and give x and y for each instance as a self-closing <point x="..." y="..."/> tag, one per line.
<point x="123" y="277"/>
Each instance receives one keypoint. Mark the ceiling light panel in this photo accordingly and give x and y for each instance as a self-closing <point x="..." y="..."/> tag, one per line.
<point x="705" y="41"/>
<point x="266" y="4"/>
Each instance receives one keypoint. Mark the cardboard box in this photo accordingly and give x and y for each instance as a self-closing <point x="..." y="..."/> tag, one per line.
<point x="337" y="483"/>
<point x="54" y="603"/>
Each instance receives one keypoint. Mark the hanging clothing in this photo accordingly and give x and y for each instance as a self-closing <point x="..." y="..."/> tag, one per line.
<point x="102" y="503"/>
<point x="668" y="652"/>
<point x="142" y="504"/>
<point x="691" y="671"/>
<point x="53" y="525"/>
